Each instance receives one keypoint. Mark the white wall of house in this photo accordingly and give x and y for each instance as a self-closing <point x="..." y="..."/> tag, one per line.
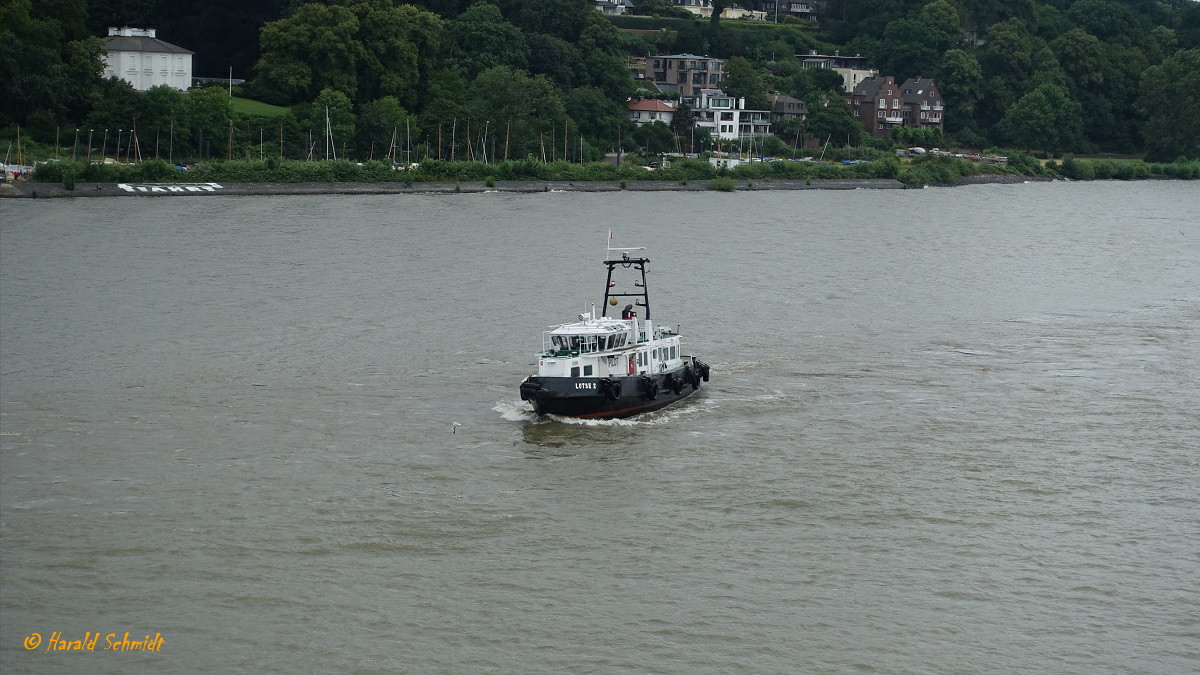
<point x="146" y="69"/>
<point x="640" y="117"/>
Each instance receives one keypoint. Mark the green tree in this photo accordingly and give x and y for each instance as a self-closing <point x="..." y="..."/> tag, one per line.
<point x="910" y="49"/>
<point x="1169" y="105"/>
<point x="597" y="116"/>
<point x="563" y="19"/>
<point x="1082" y="57"/>
<point x="829" y="117"/>
<point x="1007" y="62"/>
<point x="334" y="106"/>
<point x="116" y="106"/>
<point x="654" y="138"/>
<point x="446" y="105"/>
<point x="555" y="58"/>
<point x="161" y="108"/>
<point x="960" y="80"/>
<point x="480" y="39"/>
<point x="603" y="66"/>
<point x="209" y="112"/>
<point x="379" y="122"/>
<point x="400" y="44"/>
<point x="942" y="19"/>
<point x="1046" y="119"/>
<point x="528" y="111"/>
<point x="743" y="80"/>
<point x="313" y="49"/>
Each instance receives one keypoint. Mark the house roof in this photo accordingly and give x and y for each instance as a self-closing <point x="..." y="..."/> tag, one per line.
<point x="916" y="88"/>
<point x="650" y="105"/>
<point x="140" y="43"/>
<point x="869" y="86"/>
<point x="686" y="56"/>
<point x="779" y="104"/>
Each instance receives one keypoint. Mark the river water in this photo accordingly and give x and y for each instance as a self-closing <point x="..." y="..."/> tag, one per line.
<point x="948" y="430"/>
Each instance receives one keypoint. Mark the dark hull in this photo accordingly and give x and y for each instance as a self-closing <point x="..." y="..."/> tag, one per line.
<point x="591" y="397"/>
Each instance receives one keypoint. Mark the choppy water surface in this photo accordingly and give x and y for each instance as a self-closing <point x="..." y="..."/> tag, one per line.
<point x="948" y="431"/>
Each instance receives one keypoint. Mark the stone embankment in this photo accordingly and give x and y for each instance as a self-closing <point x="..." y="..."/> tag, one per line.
<point x="45" y="190"/>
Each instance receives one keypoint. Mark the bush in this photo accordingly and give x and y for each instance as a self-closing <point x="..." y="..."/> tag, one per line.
<point x="721" y="184"/>
<point x="490" y="182"/>
<point x="1024" y="164"/>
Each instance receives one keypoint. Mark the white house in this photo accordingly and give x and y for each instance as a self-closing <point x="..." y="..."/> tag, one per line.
<point x="141" y="59"/>
<point x="645" y="111"/>
<point x="726" y="117"/>
<point x="613" y="7"/>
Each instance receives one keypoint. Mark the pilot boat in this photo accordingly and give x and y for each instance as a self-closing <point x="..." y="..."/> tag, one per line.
<point x="606" y="367"/>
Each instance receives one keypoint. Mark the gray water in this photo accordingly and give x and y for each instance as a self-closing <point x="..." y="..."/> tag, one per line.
<point x="948" y="430"/>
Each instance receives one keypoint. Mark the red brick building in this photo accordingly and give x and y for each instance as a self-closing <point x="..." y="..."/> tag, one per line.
<point x="880" y="104"/>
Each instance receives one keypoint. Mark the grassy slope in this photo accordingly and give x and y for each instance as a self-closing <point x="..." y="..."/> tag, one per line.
<point x="251" y="107"/>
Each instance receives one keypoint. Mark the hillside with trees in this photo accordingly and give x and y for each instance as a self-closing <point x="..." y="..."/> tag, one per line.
<point x="549" y="79"/>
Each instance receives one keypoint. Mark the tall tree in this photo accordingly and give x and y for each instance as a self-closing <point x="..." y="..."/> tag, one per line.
<point x="481" y="38"/>
<point x="335" y="107"/>
<point x="1045" y="119"/>
<point x="1169" y="105"/>
<point x="446" y="103"/>
<point x="744" y="80"/>
<point x="526" y="110"/>
<point x="598" y="116"/>
<point x="960" y="80"/>
<point x="381" y="121"/>
<point x="313" y="49"/>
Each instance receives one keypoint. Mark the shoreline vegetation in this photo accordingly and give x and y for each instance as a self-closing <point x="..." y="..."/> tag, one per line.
<point x="272" y="176"/>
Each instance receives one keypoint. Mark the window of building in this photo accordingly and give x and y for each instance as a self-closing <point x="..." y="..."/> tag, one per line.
<point x="895" y="103"/>
<point x="882" y="103"/>
<point x="682" y="78"/>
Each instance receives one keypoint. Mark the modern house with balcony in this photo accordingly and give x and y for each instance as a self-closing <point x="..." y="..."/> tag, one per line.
<point x="685" y="74"/>
<point x="853" y="69"/>
<point x="880" y="104"/>
<point x="726" y="117"/>
<point x="704" y="9"/>
<point x="809" y="10"/>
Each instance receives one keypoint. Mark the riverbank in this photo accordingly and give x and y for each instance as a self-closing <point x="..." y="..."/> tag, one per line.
<point x="23" y="190"/>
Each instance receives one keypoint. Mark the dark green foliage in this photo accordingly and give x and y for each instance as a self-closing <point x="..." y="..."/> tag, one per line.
<point x="1049" y="75"/>
<point x="1169" y="104"/>
<point x="721" y="184"/>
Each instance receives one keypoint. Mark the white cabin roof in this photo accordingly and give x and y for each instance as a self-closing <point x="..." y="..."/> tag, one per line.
<point x="602" y="326"/>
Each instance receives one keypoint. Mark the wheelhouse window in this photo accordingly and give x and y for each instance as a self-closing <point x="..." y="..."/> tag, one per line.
<point x="587" y="370"/>
<point x="575" y="371"/>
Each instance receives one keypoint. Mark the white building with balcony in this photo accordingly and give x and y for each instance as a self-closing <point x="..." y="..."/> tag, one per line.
<point x="726" y="117"/>
<point x="137" y="56"/>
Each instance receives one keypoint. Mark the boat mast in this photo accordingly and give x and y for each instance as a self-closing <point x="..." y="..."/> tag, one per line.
<point x="626" y="262"/>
